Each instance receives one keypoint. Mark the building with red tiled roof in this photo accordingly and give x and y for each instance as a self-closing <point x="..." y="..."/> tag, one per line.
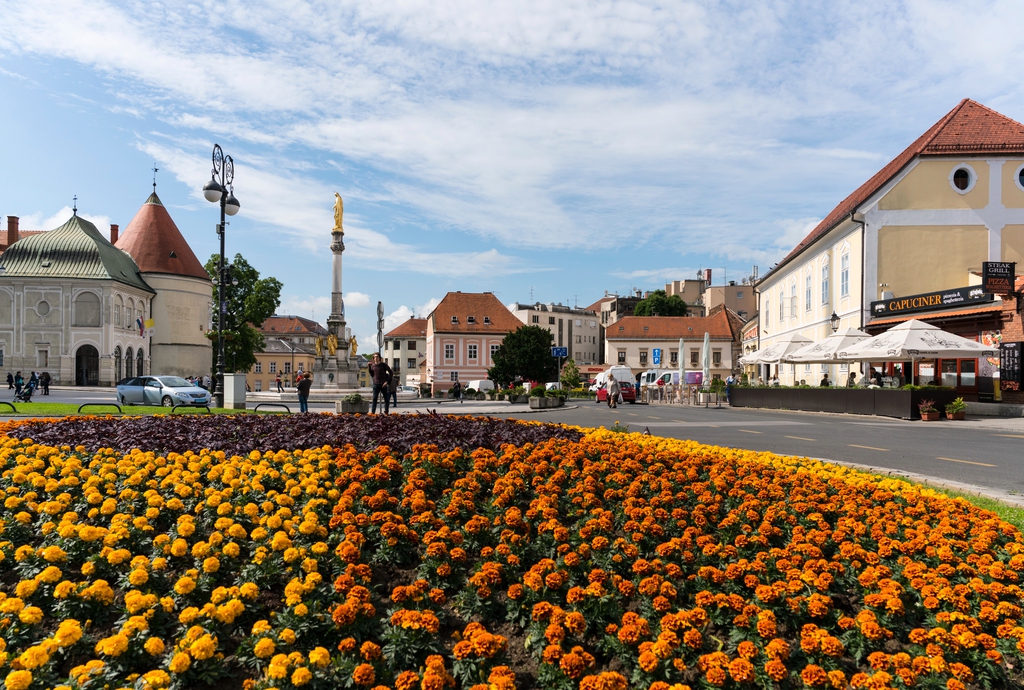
<point x="405" y="350"/>
<point x="637" y="341"/>
<point x="291" y="328"/>
<point x="181" y="310"/>
<point x="923" y="225"/>
<point x="463" y="332"/>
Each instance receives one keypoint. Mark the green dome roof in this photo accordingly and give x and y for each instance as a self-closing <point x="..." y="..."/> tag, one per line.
<point x="74" y="250"/>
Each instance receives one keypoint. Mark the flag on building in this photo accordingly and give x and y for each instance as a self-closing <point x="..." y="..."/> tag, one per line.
<point x="141" y="325"/>
<point x="150" y="323"/>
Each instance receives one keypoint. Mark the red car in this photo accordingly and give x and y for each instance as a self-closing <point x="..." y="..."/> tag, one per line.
<point x="627" y="391"/>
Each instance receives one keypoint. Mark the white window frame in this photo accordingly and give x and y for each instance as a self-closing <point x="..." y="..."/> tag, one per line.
<point x="449" y="351"/>
<point x="471" y="351"/>
<point x="824" y="283"/>
<point x="844" y="276"/>
<point x="807" y="292"/>
<point x="792" y="300"/>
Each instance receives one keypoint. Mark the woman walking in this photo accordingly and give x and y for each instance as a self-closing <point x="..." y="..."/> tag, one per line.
<point x="613" y="392"/>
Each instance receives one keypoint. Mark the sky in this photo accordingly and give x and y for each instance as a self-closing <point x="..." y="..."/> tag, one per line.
<point x="543" y="151"/>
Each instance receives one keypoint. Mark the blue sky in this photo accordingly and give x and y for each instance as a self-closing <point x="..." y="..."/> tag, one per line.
<point x="553" y="149"/>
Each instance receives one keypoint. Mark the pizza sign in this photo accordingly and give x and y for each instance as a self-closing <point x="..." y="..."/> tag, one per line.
<point x="997" y="277"/>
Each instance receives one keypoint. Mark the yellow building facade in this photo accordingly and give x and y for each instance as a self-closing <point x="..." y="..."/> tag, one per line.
<point x="922" y="225"/>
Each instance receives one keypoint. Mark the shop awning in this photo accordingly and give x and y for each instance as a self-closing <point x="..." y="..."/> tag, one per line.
<point x="931" y="316"/>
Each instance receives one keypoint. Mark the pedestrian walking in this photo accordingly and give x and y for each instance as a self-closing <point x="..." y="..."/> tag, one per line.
<point x="10" y="381"/>
<point x="206" y="381"/>
<point x="280" y="388"/>
<point x="303" y="386"/>
<point x="613" y="392"/>
<point x="730" y="381"/>
<point x="381" y="374"/>
<point x="19" y="381"/>
<point x="44" y="381"/>
<point x="457" y="391"/>
<point x="393" y="390"/>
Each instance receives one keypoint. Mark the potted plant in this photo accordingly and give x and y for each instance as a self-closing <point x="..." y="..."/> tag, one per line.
<point x="352" y="404"/>
<point x="928" y="411"/>
<point x="956" y="409"/>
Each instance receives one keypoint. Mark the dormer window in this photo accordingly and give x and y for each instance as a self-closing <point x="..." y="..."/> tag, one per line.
<point x="487" y="320"/>
<point x="455" y="319"/>
<point x="622" y="328"/>
<point x="470" y="319"/>
<point x="645" y="328"/>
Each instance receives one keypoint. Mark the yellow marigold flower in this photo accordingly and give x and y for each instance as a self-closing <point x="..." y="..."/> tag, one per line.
<point x="249" y="591"/>
<point x="156" y="679"/>
<point x="26" y="588"/>
<point x="138" y="577"/>
<point x="232" y="550"/>
<point x="18" y="680"/>
<point x="30" y="615"/>
<point x="154" y="646"/>
<point x="301" y="610"/>
<point x="287" y="636"/>
<point x="189" y="615"/>
<point x="260" y="627"/>
<point x="301" y="676"/>
<point x="319" y="657"/>
<point x="184" y="585"/>
<point x="68" y="633"/>
<point x="264" y="648"/>
<point x="34" y="657"/>
<point x="364" y="675"/>
<point x="211" y="565"/>
<point x="180" y="662"/>
<point x="203" y="648"/>
<point x="50" y="574"/>
<point x="64" y="589"/>
<point x="115" y="645"/>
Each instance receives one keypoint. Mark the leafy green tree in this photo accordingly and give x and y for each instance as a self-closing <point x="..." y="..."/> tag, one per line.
<point x="658" y="303"/>
<point x="571" y="375"/>
<point x="526" y="353"/>
<point x="249" y="304"/>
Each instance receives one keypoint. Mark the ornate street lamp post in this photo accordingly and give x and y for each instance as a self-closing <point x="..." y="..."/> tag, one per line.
<point x="220" y="188"/>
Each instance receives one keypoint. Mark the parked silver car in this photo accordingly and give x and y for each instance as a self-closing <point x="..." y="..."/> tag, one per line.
<point x="160" y="390"/>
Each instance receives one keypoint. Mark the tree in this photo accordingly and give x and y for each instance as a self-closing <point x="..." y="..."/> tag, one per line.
<point x="571" y="375"/>
<point x="658" y="303"/>
<point x="252" y="301"/>
<point x="524" y="353"/>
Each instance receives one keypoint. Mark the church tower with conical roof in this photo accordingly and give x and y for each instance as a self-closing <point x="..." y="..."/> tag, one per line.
<point x="181" y="308"/>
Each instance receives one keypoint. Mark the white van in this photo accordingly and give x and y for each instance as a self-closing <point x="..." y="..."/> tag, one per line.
<point x="652" y="376"/>
<point x="484" y="385"/>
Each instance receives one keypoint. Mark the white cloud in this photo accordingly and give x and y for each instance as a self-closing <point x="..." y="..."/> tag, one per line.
<point x="36" y="221"/>
<point x="313" y="307"/>
<point x="356" y="300"/>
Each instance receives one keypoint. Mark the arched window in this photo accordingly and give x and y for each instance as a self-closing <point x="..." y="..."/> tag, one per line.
<point x="86" y="309"/>
<point x="129" y="363"/>
<point x="139" y="361"/>
<point x="118" y="307"/>
<point x="118" y="363"/>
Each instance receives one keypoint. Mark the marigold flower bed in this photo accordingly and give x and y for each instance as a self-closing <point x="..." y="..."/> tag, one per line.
<point x="592" y="561"/>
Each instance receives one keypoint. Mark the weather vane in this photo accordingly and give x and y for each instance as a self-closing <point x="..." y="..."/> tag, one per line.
<point x="74" y="200"/>
<point x="155" y="171"/>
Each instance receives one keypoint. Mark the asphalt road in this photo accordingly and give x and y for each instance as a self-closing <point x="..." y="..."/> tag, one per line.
<point x="980" y="452"/>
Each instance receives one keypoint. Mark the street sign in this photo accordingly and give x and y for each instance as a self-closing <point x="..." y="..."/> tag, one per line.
<point x="380" y="326"/>
<point x="656" y="353"/>
<point x="997" y="277"/>
<point x="559" y="352"/>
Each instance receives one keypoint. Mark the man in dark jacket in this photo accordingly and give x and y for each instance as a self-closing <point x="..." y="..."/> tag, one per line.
<point x="303" y="387"/>
<point x="381" y="374"/>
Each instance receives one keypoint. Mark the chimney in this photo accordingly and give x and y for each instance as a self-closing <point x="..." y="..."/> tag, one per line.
<point x="113" y="233"/>
<point x="12" y="230"/>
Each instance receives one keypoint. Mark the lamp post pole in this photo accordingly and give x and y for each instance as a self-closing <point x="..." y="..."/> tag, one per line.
<point x="220" y="189"/>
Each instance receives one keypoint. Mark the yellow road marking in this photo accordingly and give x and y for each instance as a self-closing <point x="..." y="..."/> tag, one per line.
<point x="748" y="431"/>
<point x="801" y="438"/>
<point x="1009" y="435"/>
<point x="854" y="445"/>
<point x="967" y="462"/>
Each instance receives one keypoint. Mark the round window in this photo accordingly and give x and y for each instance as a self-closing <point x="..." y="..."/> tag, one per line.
<point x="1020" y="177"/>
<point x="43" y="308"/>
<point x="961" y="179"/>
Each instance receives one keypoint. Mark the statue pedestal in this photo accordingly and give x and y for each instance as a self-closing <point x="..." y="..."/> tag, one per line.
<point x="335" y="372"/>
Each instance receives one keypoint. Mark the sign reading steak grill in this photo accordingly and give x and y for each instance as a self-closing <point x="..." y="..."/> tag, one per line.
<point x="930" y="301"/>
<point x="997" y="277"/>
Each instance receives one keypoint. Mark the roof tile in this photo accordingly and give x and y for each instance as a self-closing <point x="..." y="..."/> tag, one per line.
<point x="969" y="128"/>
<point x="478" y="305"/>
<point x="671" y="327"/>
<point x="157" y="245"/>
<point x="413" y="328"/>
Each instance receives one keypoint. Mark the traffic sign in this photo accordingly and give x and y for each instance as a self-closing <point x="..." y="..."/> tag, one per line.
<point x="559" y="352"/>
<point x="656" y="352"/>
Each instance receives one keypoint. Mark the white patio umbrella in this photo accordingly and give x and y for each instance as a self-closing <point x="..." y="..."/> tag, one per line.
<point x="705" y="356"/>
<point x="913" y="340"/>
<point x="825" y="351"/>
<point x="779" y="350"/>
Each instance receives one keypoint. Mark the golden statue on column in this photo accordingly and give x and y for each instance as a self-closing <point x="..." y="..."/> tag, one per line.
<point x="339" y="211"/>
